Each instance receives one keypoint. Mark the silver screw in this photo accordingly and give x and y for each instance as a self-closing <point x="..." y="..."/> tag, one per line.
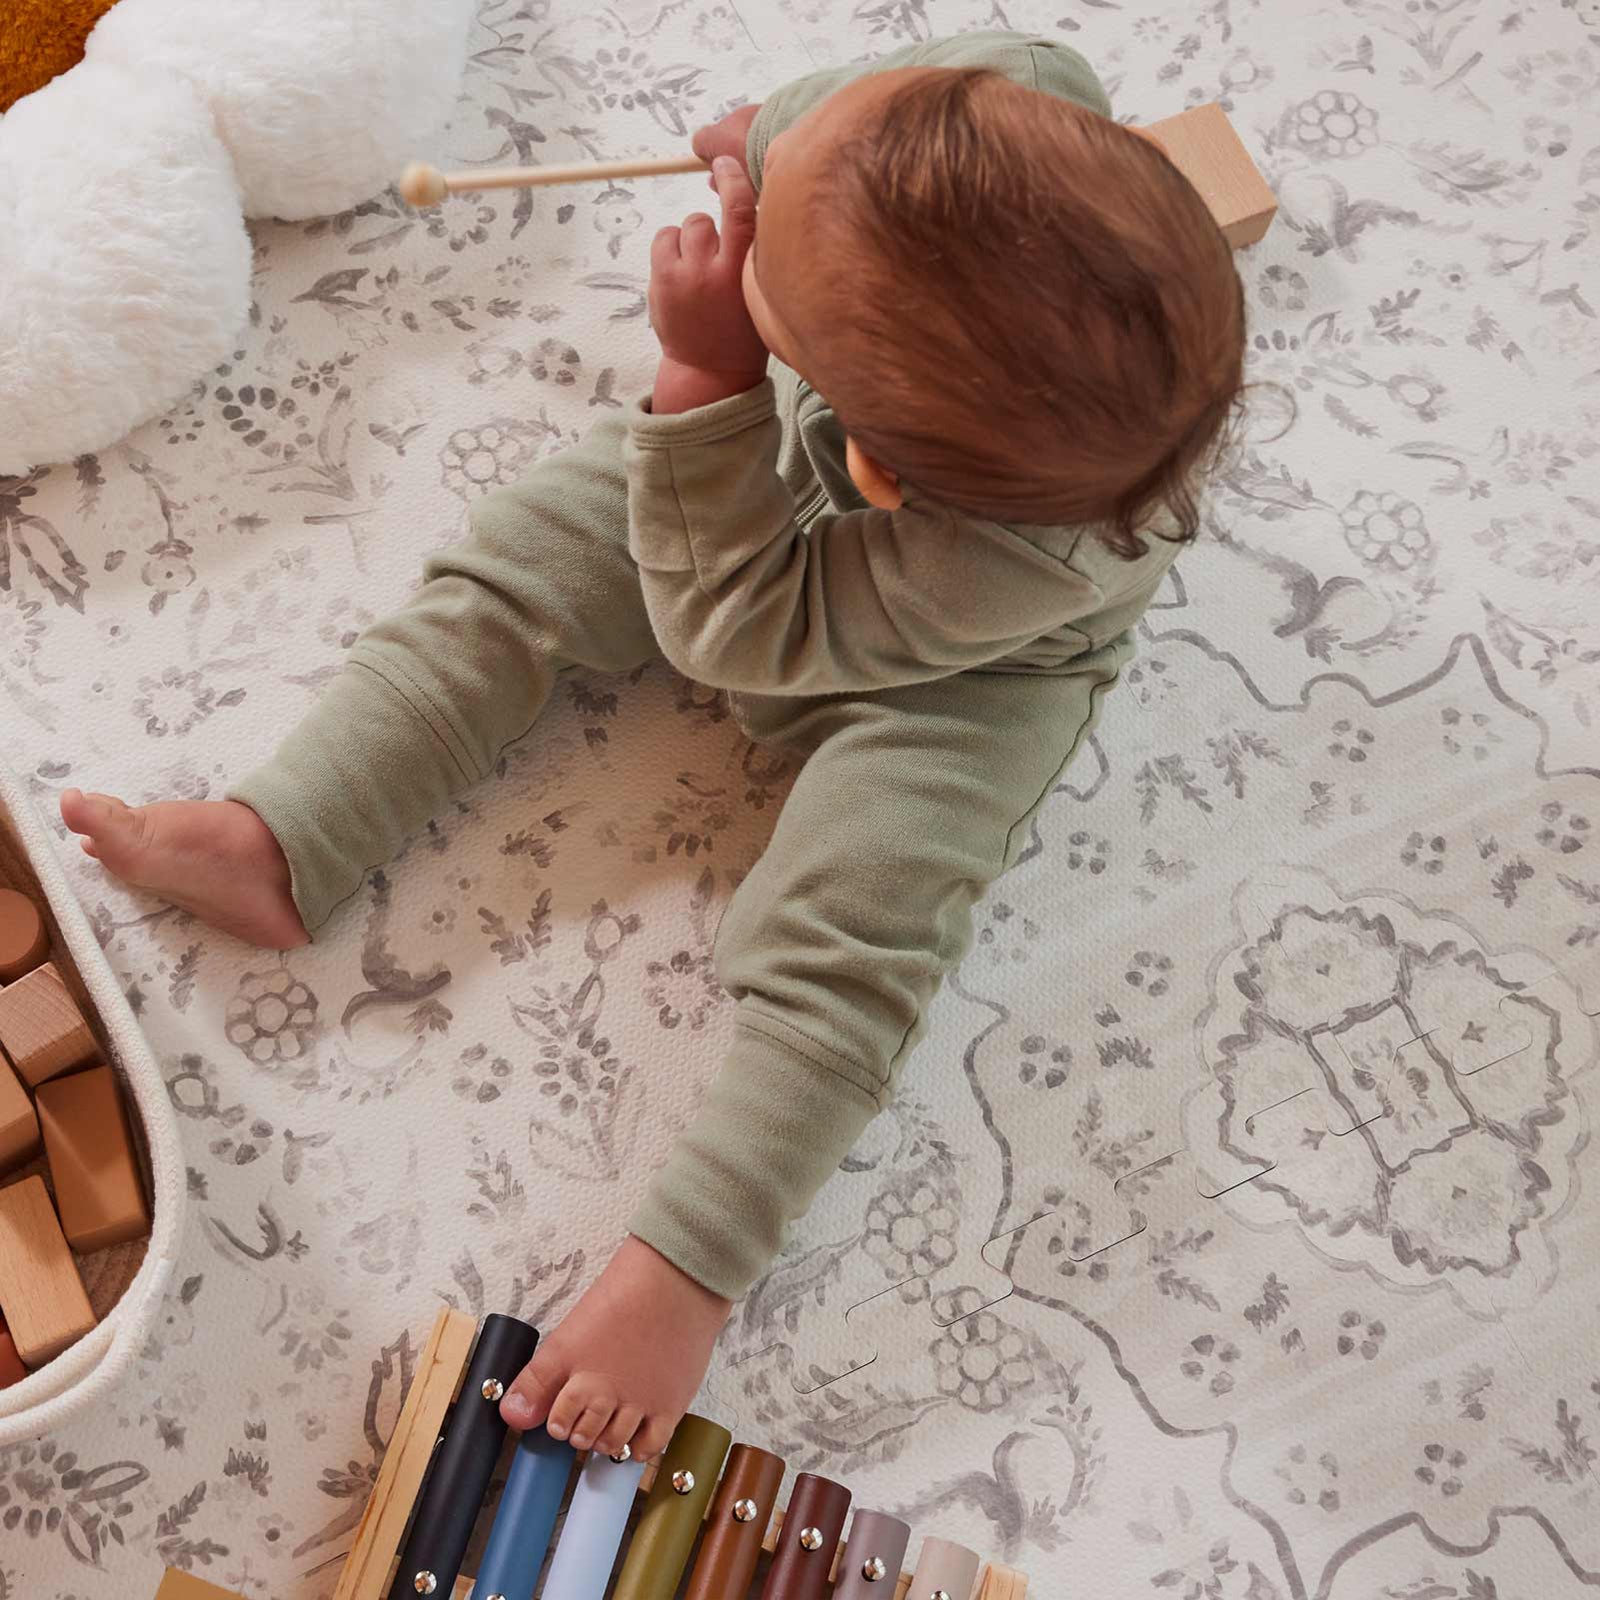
<point x="492" y="1389"/>
<point x="683" y="1482"/>
<point x="494" y="1597"/>
<point x="625" y="1454"/>
<point x="745" y="1510"/>
<point x="811" y="1538"/>
<point x="873" y="1568"/>
<point x="424" y="1583"/>
<point x="940" y="1594"/>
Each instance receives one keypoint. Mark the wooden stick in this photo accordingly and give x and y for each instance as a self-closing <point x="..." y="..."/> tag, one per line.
<point x="426" y="186"/>
<point x="1200" y="142"/>
<point x="368" y="1570"/>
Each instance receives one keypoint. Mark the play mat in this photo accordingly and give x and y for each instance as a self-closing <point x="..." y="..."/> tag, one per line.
<point x="1319" y="903"/>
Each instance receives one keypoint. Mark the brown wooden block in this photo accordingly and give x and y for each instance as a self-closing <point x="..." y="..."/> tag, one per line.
<point x="185" y="1586"/>
<point x="41" y="1028"/>
<point x="367" y="1571"/>
<point x="11" y="1367"/>
<point x="24" y="939"/>
<point x="41" y="1294"/>
<point x="19" y="1123"/>
<point x="1203" y="146"/>
<point x="93" y="1169"/>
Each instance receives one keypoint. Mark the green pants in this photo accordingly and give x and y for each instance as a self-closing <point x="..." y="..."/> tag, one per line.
<point x="909" y="804"/>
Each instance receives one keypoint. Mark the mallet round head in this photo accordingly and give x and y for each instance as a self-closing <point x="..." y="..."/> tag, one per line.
<point x="422" y="185"/>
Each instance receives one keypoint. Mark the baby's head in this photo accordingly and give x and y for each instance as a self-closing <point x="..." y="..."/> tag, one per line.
<point x="1013" y="305"/>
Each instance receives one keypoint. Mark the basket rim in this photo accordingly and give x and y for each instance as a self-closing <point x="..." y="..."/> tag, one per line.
<point x="88" y="1370"/>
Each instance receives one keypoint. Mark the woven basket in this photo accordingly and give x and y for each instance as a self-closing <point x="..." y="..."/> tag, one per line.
<point x="126" y="1282"/>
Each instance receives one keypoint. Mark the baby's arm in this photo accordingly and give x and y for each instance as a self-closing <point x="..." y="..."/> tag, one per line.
<point x="742" y="599"/>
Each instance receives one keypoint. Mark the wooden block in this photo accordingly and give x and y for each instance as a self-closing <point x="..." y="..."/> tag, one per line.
<point x="41" y="1028"/>
<point x="185" y="1586"/>
<point x="24" y="939"/>
<point x="366" y="1571"/>
<point x="93" y="1169"/>
<point x="41" y="1294"/>
<point x="1203" y="146"/>
<point x="11" y="1367"/>
<point x="19" y="1123"/>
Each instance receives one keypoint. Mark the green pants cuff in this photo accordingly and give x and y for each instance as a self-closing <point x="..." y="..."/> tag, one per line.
<point x="362" y="772"/>
<point x="772" y="1129"/>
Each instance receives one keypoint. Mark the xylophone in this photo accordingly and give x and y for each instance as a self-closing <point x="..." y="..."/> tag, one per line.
<point x="708" y="1523"/>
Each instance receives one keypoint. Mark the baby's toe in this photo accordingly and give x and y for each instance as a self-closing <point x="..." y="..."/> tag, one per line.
<point x="527" y="1401"/>
<point x="652" y="1438"/>
<point x="578" y="1394"/>
<point x="594" y="1421"/>
<point x="109" y="825"/>
<point x="620" y="1430"/>
<point x="81" y="811"/>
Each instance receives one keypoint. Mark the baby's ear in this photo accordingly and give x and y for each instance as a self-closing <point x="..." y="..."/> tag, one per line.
<point x="878" y="485"/>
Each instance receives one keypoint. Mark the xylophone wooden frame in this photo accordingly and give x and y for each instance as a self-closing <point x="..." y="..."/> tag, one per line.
<point x="370" y="1567"/>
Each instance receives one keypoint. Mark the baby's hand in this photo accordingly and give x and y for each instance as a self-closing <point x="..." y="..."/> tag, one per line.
<point x="709" y="346"/>
<point x="730" y="137"/>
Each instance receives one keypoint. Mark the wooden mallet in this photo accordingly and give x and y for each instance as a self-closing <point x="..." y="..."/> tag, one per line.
<point x="1201" y="143"/>
<point x="422" y="185"/>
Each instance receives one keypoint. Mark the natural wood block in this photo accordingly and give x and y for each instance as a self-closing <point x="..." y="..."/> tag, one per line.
<point x="41" y="1028"/>
<point x="366" y="1571"/>
<point x="41" y="1294"/>
<point x="11" y="1367"/>
<point x="93" y="1169"/>
<point x="19" y="1123"/>
<point x="24" y="939"/>
<point x="185" y="1586"/>
<point x="1203" y="146"/>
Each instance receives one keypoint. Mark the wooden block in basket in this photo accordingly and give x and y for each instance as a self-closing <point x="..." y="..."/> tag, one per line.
<point x="45" y="1306"/>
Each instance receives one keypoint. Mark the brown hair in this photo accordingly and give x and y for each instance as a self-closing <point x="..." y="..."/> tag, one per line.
<point x="1048" y="326"/>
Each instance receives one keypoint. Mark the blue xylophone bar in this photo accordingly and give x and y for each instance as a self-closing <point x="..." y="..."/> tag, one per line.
<point x="526" y="1517"/>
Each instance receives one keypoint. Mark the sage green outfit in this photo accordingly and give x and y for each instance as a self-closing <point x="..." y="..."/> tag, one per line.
<point x="937" y="670"/>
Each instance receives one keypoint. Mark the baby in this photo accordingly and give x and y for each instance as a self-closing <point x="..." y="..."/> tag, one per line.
<point x="924" y="438"/>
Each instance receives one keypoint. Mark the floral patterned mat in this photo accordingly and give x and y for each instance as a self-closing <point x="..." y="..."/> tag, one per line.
<point x="1282" y="1028"/>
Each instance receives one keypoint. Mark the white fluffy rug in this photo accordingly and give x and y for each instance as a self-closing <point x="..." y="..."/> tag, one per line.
<point x="1349" y="794"/>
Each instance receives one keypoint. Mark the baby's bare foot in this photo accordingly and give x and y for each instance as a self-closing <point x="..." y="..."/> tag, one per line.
<point x="215" y="858"/>
<point x="624" y="1365"/>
